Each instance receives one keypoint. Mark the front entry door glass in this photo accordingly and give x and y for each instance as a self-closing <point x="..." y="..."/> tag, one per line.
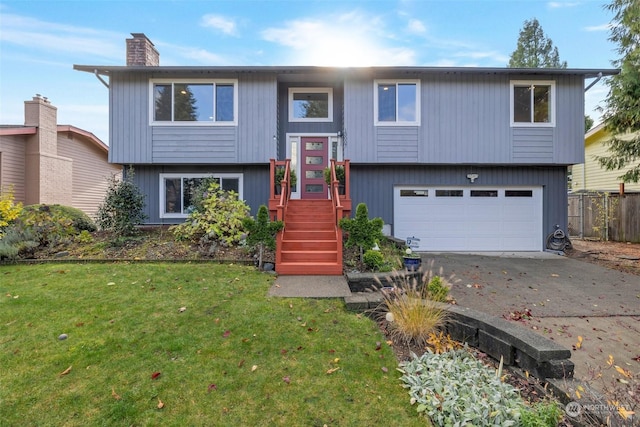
<point x="314" y="158"/>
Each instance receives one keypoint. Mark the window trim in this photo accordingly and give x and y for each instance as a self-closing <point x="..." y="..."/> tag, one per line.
<point x="294" y="90"/>
<point x="153" y="82"/>
<point x="162" y="193"/>
<point x="396" y="82"/>
<point x="552" y="102"/>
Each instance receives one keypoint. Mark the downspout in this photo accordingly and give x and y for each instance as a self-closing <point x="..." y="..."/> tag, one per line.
<point x="99" y="77"/>
<point x="584" y="168"/>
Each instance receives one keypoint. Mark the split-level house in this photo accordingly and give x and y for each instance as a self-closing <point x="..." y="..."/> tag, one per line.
<point x="458" y="159"/>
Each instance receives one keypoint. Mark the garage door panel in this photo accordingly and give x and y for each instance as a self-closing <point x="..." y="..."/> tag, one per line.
<point x="489" y="221"/>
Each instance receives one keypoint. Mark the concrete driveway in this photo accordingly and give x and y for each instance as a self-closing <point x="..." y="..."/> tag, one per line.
<point x="559" y="297"/>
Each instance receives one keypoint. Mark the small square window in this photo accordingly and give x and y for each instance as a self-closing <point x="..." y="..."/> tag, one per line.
<point x="532" y="103"/>
<point x="397" y="102"/>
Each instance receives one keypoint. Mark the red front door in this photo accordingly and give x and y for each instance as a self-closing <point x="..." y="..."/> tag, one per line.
<point x="314" y="158"/>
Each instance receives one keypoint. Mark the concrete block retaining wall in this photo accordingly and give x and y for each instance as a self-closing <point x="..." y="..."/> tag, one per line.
<point x="518" y="346"/>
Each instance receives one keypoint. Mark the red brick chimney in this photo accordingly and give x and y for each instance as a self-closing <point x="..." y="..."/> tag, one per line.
<point x="141" y="52"/>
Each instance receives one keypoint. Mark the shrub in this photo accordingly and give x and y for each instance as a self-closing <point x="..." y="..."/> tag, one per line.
<point x="546" y="413"/>
<point x="262" y="231"/>
<point x="48" y="224"/>
<point x="454" y="388"/>
<point x="219" y="220"/>
<point x="362" y="231"/>
<point x="373" y="260"/>
<point x="80" y="220"/>
<point x="9" y="210"/>
<point x="18" y="242"/>
<point x="437" y="290"/>
<point x="122" y="209"/>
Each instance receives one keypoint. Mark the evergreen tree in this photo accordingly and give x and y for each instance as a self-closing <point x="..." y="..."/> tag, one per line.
<point x="534" y="49"/>
<point x="622" y="106"/>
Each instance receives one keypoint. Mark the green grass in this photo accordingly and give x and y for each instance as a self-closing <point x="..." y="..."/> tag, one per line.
<point x="234" y="357"/>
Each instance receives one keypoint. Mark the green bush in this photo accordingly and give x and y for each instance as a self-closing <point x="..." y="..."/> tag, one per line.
<point x="218" y="221"/>
<point x="437" y="289"/>
<point x="362" y="231"/>
<point x="79" y="220"/>
<point x="122" y="209"/>
<point x="48" y="224"/>
<point x="262" y="231"/>
<point x="546" y="413"/>
<point x="373" y="260"/>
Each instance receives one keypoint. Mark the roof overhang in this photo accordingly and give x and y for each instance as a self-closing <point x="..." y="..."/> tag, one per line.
<point x="278" y="70"/>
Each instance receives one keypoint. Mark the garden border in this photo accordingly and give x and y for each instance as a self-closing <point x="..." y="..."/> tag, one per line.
<point x="499" y="338"/>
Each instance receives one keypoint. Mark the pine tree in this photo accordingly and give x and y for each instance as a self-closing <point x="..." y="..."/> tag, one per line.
<point x="622" y="106"/>
<point x="534" y="49"/>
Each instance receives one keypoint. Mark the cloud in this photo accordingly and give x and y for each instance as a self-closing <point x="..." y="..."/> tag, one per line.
<point x="218" y="22"/>
<point x="178" y="55"/>
<point x="69" y="40"/>
<point x="602" y="27"/>
<point x="558" y="5"/>
<point x="416" y="26"/>
<point x="349" y="39"/>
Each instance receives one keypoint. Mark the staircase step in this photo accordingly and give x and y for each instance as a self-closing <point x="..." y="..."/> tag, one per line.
<point x="309" y="256"/>
<point x="310" y="216"/>
<point x="307" y="245"/>
<point x="309" y="225"/>
<point x="312" y="235"/>
<point x="309" y="268"/>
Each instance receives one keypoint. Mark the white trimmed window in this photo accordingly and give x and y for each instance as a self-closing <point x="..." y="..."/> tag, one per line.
<point x="310" y="104"/>
<point x="194" y="102"/>
<point x="396" y="102"/>
<point x="533" y="103"/>
<point x="176" y="191"/>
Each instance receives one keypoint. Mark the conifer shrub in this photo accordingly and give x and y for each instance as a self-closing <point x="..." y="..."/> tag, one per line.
<point x="123" y="207"/>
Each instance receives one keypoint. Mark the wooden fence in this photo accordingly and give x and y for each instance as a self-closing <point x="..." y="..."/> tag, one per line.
<point x="605" y="216"/>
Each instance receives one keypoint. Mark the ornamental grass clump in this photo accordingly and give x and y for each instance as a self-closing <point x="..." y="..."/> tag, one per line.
<point x="411" y="314"/>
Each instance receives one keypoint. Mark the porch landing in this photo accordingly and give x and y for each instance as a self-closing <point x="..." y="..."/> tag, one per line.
<point x="310" y="287"/>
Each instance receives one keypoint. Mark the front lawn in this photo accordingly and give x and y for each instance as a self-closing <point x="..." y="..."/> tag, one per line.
<point x="185" y="344"/>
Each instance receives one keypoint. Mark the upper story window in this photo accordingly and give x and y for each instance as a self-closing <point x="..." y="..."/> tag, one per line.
<point x="310" y="104"/>
<point x="203" y="102"/>
<point x="176" y="191"/>
<point x="397" y="102"/>
<point x="533" y="103"/>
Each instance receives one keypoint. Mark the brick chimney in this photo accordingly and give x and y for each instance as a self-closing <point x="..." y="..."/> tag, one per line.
<point x="141" y="52"/>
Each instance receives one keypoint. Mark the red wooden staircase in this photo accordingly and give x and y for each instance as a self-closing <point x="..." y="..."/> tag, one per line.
<point x="310" y="243"/>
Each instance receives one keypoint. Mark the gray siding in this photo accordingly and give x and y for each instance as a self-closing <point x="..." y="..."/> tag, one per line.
<point x="147" y="178"/>
<point x="373" y="185"/>
<point x="134" y="141"/>
<point x="180" y="144"/>
<point x="465" y="119"/>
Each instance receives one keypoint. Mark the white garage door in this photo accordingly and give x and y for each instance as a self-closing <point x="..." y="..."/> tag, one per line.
<point x="470" y="218"/>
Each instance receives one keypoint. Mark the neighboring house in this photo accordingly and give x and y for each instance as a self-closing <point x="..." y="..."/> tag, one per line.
<point x="53" y="164"/>
<point x="590" y="176"/>
<point x="464" y="159"/>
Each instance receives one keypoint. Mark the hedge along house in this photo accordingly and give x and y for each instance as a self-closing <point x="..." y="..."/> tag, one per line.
<point x="462" y="159"/>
